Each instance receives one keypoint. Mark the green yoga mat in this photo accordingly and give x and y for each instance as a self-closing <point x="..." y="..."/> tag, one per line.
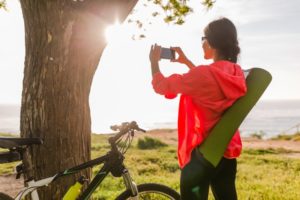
<point x="215" y="144"/>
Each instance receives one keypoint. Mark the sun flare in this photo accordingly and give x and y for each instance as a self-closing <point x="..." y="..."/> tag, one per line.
<point x="113" y="32"/>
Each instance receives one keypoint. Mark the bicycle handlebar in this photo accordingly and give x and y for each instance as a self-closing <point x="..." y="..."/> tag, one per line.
<point x="124" y="128"/>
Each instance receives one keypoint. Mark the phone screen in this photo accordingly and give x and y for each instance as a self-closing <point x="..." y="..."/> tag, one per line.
<point x="167" y="53"/>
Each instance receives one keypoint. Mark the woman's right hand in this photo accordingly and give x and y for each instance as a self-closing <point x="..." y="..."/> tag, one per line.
<point x="181" y="56"/>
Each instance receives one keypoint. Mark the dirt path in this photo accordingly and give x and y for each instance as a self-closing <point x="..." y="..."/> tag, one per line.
<point x="292" y="146"/>
<point x="9" y="185"/>
<point x="170" y="137"/>
<point x="275" y="144"/>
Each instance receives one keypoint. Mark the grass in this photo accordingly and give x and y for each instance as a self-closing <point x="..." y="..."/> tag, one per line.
<point x="262" y="174"/>
<point x="266" y="174"/>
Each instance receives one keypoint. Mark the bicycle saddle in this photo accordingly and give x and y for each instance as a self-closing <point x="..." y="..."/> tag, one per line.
<point x="9" y="143"/>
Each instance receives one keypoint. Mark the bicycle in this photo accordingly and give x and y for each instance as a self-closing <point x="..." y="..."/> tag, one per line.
<point x="112" y="163"/>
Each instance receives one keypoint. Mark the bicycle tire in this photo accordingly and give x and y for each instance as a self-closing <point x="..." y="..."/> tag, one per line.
<point x="5" y="197"/>
<point x="150" y="190"/>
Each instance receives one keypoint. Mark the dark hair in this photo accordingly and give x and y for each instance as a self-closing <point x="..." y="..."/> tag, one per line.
<point x="222" y="35"/>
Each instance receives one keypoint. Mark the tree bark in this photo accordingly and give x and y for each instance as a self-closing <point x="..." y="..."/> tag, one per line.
<point x="64" y="42"/>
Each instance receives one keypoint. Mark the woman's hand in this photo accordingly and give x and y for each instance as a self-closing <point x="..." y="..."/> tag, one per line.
<point x="182" y="58"/>
<point x="154" y="54"/>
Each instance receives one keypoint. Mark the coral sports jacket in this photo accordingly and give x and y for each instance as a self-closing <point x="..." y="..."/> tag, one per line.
<point x="206" y="92"/>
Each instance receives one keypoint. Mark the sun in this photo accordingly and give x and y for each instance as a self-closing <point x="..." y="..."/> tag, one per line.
<point x="113" y="33"/>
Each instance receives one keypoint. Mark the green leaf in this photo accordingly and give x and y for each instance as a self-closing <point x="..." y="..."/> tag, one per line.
<point x="169" y="19"/>
<point x="155" y="14"/>
<point x="180" y="21"/>
<point x="3" y="4"/>
<point x="208" y="3"/>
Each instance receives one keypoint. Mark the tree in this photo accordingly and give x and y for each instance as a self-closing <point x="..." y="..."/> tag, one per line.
<point x="64" y="42"/>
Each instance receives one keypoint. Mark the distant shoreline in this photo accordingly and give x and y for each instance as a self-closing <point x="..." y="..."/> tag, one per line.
<point x="268" y="118"/>
<point x="159" y="131"/>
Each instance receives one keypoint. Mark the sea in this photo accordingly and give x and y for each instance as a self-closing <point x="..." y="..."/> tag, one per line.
<point x="268" y="118"/>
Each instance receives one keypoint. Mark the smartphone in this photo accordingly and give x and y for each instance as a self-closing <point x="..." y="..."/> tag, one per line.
<point x="167" y="53"/>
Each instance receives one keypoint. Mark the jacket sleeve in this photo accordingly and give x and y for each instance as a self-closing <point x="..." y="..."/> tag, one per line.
<point x="176" y="83"/>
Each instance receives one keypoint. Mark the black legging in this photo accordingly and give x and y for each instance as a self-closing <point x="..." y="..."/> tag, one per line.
<point x="198" y="174"/>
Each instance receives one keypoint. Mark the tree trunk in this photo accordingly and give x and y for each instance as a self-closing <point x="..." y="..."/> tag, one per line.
<point x="64" y="42"/>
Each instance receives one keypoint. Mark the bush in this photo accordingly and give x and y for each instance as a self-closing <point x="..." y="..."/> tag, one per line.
<point x="150" y="143"/>
<point x="258" y="135"/>
<point x="293" y="137"/>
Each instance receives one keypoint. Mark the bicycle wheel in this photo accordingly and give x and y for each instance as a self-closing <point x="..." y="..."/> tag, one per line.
<point x="5" y="197"/>
<point x="150" y="191"/>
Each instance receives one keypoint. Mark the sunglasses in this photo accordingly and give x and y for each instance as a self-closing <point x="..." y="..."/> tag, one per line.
<point x="203" y="38"/>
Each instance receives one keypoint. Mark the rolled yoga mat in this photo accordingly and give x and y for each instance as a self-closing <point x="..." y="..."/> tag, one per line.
<point x="215" y="144"/>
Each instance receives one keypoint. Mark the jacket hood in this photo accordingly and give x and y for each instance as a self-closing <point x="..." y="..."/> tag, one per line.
<point x="230" y="78"/>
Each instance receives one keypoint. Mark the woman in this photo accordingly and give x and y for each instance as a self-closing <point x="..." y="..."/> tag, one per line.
<point x="206" y="92"/>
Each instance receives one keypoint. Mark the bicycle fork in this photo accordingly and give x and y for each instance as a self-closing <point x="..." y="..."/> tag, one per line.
<point x="130" y="184"/>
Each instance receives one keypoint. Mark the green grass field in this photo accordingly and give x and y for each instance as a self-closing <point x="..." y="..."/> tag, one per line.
<point x="262" y="174"/>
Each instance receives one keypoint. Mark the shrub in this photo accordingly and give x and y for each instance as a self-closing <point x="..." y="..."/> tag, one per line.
<point x="293" y="137"/>
<point x="150" y="143"/>
<point x="258" y="135"/>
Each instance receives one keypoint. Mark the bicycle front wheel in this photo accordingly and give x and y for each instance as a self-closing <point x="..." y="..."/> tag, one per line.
<point x="151" y="191"/>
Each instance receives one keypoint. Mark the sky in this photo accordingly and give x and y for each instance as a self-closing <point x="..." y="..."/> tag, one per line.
<point x="269" y="37"/>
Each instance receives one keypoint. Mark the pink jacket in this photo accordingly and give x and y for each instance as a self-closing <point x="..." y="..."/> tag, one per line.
<point x="207" y="91"/>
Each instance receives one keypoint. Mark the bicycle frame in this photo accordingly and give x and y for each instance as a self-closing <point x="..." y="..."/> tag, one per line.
<point x="113" y="162"/>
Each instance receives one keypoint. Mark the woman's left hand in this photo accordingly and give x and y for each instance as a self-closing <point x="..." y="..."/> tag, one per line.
<point x="154" y="54"/>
